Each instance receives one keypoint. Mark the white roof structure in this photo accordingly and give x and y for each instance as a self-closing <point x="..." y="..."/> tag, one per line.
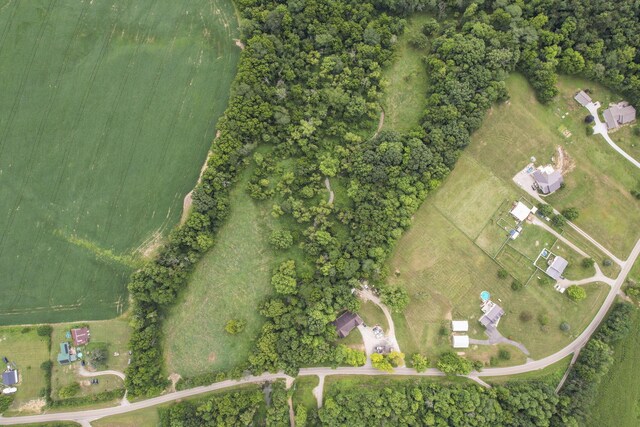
<point x="460" y="325"/>
<point x="520" y="211"/>
<point x="460" y="341"/>
<point x="582" y="98"/>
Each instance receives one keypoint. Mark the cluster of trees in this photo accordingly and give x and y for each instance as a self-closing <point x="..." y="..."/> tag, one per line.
<point x="405" y="403"/>
<point x="386" y="362"/>
<point x="579" y="391"/>
<point x="229" y="409"/>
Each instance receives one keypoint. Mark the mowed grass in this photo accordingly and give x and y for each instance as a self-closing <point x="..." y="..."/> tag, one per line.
<point x="107" y="111"/>
<point x="230" y="282"/>
<point x="618" y="395"/>
<point x="303" y="392"/>
<point x="600" y="181"/>
<point x="407" y="81"/>
<point x="27" y="350"/>
<point x="445" y="260"/>
<point x="114" y="333"/>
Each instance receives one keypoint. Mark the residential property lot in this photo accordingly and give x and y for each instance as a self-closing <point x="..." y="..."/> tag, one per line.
<point x="464" y="240"/>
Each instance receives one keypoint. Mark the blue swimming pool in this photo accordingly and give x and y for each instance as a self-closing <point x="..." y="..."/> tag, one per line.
<point x="484" y="295"/>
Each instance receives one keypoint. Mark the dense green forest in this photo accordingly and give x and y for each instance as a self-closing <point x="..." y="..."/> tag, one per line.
<point x="307" y="93"/>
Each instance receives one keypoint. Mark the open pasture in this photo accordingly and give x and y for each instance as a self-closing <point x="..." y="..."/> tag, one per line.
<point x="107" y="111"/>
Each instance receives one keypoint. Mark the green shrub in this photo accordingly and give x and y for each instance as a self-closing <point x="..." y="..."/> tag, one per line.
<point x="516" y="285"/>
<point x="235" y="326"/>
<point x="587" y="262"/>
<point x="503" y="274"/>
<point x="576" y="293"/>
<point x="69" y="390"/>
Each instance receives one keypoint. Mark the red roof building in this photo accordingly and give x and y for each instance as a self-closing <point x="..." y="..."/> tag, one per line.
<point x="80" y="336"/>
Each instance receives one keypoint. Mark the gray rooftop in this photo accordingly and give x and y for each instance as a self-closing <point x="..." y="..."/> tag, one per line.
<point x="492" y="317"/>
<point x="557" y="267"/>
<point x="619" y="114"/>
<point x="10" y="377"/>
<point x="548" y="183"/>
<point x="582" y="98"/>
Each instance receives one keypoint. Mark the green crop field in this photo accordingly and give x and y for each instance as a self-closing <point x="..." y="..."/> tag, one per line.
<point x="107" y="111"/>
<point x="619" y="393"/>
<point x="598" y="180"/>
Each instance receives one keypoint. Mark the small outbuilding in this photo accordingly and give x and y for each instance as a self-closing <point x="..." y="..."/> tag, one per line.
<point x="80" y="336"/>
<point x="583" y="98"/>
<point x="520" y="211"/>
<point x="547" y="180"/>
<point x="10" y="377"/>
<point x="460" y="341"/>
<point x="556" y="267"/>
<point x="346" y="323"/>
<point x="459" y="326"/>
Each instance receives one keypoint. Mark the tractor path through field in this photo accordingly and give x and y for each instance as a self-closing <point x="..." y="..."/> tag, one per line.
<point x="380" y="124"/>
<point x="601" y="129"/>
<point x="318" y="390"/>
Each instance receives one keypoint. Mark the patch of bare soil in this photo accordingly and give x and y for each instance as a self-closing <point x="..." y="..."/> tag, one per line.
<point x="188" y="199"/>
<point x="239" y="43"/>
<point x="174" y="378"/>
<point x="563" y="162"/>
<point x="151" y="245"/>
<point x="212" y="357"/>
<point x="36" y="405"/>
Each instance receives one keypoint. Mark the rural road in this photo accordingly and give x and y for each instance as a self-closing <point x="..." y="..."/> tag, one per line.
<point x="85" y="417"/>
<point x="601" y="129"/>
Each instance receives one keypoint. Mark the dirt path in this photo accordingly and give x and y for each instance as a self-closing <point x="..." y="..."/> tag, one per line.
<point x="319" y="390"/>
<point x="380" y="124"/>
<point x="188" y="199"/>
<point x="327" y="184"/>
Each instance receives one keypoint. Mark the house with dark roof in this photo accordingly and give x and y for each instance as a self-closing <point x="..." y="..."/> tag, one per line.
<point x="492" y="314"/>
<point x="80" y="336"/>
<point x="582" y="98"/>
<point x="547" y="180"/>
<point x="556" y="267"/>
<point x="10" y="377"/>
<point x="619" y="114"/>
<point x="346" y="323"/>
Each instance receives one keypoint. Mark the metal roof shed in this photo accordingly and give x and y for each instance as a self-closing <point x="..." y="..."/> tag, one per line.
<point x="460" y="341"/>
<point x="459" y="326"/>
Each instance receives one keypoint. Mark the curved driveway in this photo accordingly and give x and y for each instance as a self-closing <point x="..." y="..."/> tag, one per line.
<point x="84" y="417"/>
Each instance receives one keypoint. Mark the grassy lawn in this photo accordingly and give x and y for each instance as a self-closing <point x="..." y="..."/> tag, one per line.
<point x="444" y="272"/>
<point x="230" y="282"/>
<point x="600" y="179"/>
<point x="114" y="334"/>
<point x="578" y="240"/>
<point x="28" y="351"/>
<point x="552" y="374"/>
<point x="619" y="393"/>
<point x="373" y="315"/>
<point x="119" y="107"/>
<point x="407" y="80"/>
<point x="303" y="392"/>
<point x="626" y="139"/>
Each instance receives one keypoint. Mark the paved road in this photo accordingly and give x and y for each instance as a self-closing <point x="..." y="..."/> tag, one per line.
<point x="87" y="416"/>
<point x="601" y="129"/>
